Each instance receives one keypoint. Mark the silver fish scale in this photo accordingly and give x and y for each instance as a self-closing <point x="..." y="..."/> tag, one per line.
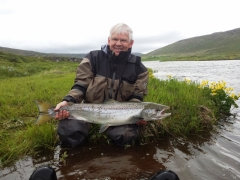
<point x="114" y="114"/>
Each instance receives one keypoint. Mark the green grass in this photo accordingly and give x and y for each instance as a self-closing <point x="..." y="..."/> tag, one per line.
<point x="15" y="143"/>
<point x="193" y="111"/>
<point x="192" y="57"/>
<point x="187" y="103"/>
<point x="12" y="65"/>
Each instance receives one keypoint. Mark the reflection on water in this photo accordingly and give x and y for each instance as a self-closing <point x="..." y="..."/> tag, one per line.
<point x="212" y="156"/>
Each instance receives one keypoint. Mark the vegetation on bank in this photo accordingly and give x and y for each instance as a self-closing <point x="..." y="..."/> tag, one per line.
<point x="195" y="107"/>
<point x="12" y="65"/>
<point x="191" y="57"/>
<point x="39" y="54"/>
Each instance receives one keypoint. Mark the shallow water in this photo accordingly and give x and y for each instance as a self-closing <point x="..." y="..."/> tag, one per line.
<point x="214" y="156"/>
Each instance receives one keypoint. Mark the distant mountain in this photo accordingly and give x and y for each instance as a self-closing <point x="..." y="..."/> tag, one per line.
<point x="217" y="44"/>
<point x="33" y="53"/>
<point x="137" y="54"/>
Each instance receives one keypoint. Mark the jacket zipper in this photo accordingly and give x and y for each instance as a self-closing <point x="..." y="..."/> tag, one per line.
<point x="113" y="79"/>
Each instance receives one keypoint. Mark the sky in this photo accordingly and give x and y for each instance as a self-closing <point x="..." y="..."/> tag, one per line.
<point x="79" y="26"/>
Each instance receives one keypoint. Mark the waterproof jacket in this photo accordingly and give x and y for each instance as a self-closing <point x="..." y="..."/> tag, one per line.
<point x="101" y="75"/>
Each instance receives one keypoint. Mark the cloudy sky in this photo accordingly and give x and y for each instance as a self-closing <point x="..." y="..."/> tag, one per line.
<point x="79" y="26"/>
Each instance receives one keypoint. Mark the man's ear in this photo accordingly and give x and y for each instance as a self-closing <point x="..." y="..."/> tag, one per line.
<point x="131" y="43"/>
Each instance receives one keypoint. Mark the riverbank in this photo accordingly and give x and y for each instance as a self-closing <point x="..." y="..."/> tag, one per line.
<point x="193" y="57"/>
<point x="192" y="107"/>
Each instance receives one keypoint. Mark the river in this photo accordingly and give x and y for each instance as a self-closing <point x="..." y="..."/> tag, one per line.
<point x="213" y="156"/>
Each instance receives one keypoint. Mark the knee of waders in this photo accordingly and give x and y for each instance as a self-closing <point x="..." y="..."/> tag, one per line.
<point x="122" y="135"/>
<point x="72" y="132"/>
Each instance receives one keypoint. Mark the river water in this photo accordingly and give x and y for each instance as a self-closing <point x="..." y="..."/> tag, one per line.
<point x="213" y="156"/>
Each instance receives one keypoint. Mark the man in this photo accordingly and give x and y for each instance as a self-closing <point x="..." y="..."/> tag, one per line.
<point x="110" y="73"/>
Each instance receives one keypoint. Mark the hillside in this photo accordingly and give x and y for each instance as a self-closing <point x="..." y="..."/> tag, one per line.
<point x="34" y="53"/>
<point x="220" y="45"/>
<point x="216" y="46"/>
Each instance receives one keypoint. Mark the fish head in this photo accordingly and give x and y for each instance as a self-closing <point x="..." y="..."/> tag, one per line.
<point x="154" y="111"/>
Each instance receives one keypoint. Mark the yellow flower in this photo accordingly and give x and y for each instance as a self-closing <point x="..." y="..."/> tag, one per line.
<point x="187" y="80"/>
<point x="211" y="87"/>
<point x="169" y="76"/>
<point x="213" y="91"/>
<point x="151" y="74"/>
<point x="204" y="83"/>
<point x="228" y="89"/>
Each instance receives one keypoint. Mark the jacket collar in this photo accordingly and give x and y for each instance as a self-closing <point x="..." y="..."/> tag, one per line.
<point x="123" y="55"/>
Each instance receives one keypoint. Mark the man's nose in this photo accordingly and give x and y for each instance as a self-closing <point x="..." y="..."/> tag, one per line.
<point x="118" y="42"/>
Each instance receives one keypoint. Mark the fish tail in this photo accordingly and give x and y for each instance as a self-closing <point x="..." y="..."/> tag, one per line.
<point x="43" y="115"/>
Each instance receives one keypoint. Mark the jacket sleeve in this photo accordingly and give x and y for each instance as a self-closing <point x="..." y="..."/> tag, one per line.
<point x="84" y="75"/>
<point x="140" y="88"/>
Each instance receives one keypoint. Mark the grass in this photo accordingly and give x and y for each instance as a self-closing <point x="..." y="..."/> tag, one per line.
<point x="28" y="140"/>
<point x="185" y="100"/>
<point x="193" y="108"/>
<point x="192" y="57"/>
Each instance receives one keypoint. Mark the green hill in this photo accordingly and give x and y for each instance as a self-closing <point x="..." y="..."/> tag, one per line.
<point x="34" y="53"/>
<point x="216" y="46"/>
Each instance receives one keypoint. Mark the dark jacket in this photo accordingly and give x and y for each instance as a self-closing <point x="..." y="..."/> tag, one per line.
<point x="102" y="75"/>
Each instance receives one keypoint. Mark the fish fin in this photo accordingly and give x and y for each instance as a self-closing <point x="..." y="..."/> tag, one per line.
<point x="42" y="118"/>
<point x="43" y="108"/>
<point x="103" y="128"/>
<point x="135" y="119"/>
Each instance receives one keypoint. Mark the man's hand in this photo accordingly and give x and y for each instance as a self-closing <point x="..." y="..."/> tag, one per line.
<point x="62" y="114"/>
<point x="142" y="122"/>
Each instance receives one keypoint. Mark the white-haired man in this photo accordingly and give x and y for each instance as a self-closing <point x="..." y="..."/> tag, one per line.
<point x="110" y="73"/>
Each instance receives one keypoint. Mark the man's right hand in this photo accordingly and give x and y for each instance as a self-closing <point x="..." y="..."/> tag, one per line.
<point x="61" y="114"/>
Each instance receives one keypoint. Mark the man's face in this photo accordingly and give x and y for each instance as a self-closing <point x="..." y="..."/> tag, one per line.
<point x="119" y="42"/>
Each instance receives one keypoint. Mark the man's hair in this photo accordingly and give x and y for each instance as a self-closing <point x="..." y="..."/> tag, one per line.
<point x="122" y="28"/>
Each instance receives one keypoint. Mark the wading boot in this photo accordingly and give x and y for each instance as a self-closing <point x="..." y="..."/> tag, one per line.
<point x="44" y="173"/>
